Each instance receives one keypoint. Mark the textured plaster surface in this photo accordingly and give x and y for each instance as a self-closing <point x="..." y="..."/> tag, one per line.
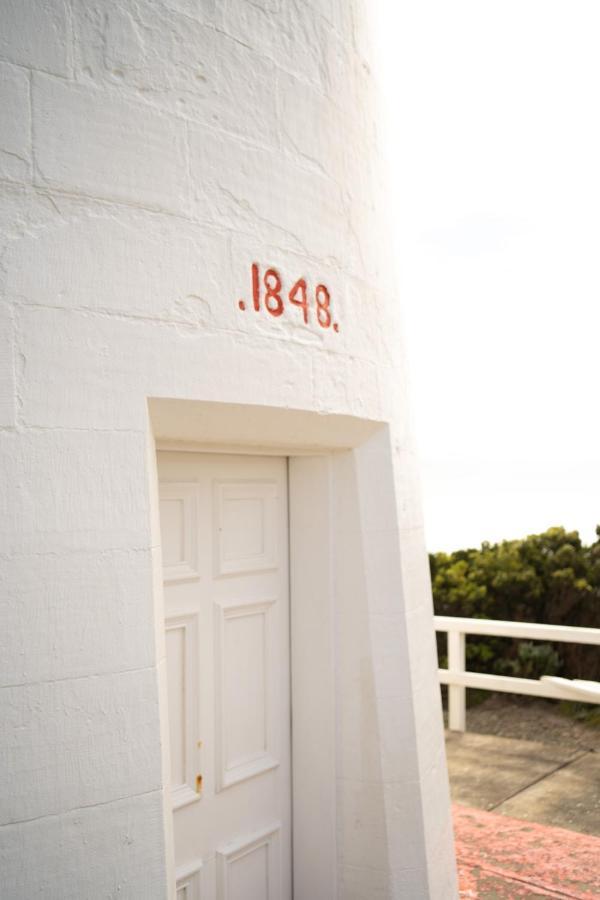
<point x="149" y="153"/>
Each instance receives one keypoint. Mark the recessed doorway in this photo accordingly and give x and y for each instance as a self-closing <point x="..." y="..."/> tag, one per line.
<point x="224" y="539"/>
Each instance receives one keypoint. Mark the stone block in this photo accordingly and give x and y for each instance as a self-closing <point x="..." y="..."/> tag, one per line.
<point x="50" y="605"/>
<point x="313" y="128"/>
<point x="129" y="261"/>
<point x="35" y="33"/>
<point x="118" y="359"/>
<point x="7" y="368"/>
<point x="263" y="192"/>
<point x="98" y="143"/>
<point x="22" y="207"/>
<point x="380" y="821"/>
<point x="126" y="360"/>
<point x="399" y="758"/>
<point x="362" y="833"/>
<point x="73" y="490"/>
<point x="179" y="62"/>
<point x="383" y="574"/>
<point x="110" y="850"/>
<point x="15" y="124"/>
<point x="391" y="673"/>
<point x="290" y="35"/>
<point x="77" y="742"/>
<point x="348" y="384"/>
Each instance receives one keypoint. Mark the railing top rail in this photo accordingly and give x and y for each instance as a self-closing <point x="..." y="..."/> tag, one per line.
<point x="531" y="630"/>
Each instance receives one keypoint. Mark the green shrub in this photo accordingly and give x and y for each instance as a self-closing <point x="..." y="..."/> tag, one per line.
<point x="550" y="578"/>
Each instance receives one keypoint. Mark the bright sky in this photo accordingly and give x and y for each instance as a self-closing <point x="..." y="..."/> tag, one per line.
<point x="493" y="111"/>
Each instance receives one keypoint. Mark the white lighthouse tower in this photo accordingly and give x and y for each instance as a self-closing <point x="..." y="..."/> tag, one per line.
<point x="217" y="654"/>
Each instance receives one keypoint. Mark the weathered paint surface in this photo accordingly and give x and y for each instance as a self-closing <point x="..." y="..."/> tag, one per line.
<point x="150" y="152"/>
<point x="499" y="857"/>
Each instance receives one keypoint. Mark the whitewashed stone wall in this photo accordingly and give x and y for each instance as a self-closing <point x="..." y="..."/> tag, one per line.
<point x="149" y="152"/>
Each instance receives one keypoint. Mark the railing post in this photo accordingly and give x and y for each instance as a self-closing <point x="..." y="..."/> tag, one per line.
<point x="457" y="695"/>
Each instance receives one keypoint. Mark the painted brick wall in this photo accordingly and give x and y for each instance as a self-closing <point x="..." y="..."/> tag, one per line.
<point x="149" y="153"/>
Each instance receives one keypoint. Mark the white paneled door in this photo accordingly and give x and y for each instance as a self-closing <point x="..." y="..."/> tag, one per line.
<point x="224" y="537"/>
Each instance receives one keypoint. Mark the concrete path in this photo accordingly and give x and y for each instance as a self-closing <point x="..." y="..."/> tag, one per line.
<point x="530" y="780"/>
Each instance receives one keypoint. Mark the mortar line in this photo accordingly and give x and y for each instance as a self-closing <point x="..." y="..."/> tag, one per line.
<point x="86" y="675"/>
<point x="75" y="809"/>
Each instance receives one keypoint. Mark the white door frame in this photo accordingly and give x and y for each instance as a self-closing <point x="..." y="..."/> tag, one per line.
<point x="341" y="500"/>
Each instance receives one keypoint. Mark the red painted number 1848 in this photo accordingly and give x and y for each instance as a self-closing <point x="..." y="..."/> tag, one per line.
<point x="268" y="292"/>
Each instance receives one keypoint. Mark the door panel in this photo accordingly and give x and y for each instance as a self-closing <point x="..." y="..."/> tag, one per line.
<point x="224" y="534"/>
<point x="179" y="531"/>
<point x="250" y="869"/>
<point x="181" y="641"/>
<point x="246" y="522"/>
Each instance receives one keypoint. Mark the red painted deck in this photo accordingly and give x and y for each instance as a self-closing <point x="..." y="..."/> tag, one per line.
<point x="501" y="859"/>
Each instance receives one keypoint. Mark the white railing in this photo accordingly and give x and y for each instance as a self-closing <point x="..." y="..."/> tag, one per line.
<point x="458" y="679"/>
